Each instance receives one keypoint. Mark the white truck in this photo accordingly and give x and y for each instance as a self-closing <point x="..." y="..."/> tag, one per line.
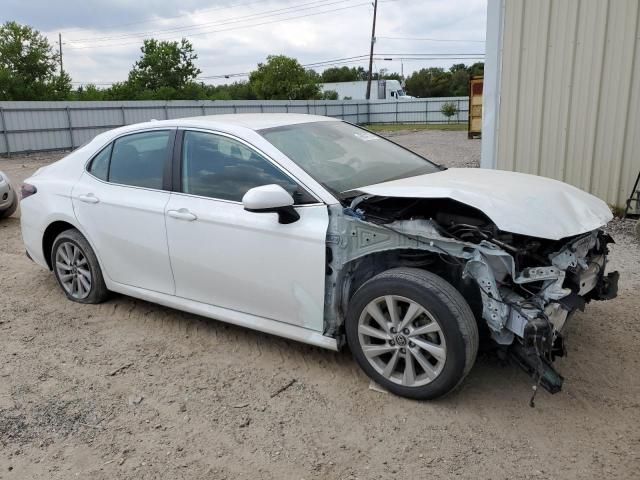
<point x="380" y="90"/>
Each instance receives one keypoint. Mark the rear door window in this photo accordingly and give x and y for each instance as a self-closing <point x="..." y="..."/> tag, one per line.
<point x="139" y="159"/>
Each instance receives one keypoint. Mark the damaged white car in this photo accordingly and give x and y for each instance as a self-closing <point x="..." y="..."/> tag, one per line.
<point x="320" y="231"/>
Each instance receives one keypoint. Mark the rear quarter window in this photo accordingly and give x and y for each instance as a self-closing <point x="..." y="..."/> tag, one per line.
<point x="99" y="166"/>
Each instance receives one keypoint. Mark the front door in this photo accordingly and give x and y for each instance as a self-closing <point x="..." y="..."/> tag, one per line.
<point x="225" y="256"/>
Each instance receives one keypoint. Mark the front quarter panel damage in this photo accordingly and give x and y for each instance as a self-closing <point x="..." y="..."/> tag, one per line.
<point x="522" y="306"/>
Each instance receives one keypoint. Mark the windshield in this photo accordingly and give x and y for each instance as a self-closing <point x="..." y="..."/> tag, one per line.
<point x="401" y="93"/>
<point x="343" y="157"/>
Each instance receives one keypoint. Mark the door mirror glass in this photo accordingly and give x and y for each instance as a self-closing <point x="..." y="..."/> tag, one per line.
<point x="271" y="198"/>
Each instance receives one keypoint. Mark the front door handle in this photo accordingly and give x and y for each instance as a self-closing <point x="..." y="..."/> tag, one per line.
<point x="88" y="198"/>
<point x="182" y="214"/>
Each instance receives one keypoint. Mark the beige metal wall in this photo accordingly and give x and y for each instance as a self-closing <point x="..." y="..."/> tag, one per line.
<point x="569" y="93"/>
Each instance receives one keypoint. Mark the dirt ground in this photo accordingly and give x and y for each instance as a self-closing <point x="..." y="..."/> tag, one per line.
<point x="128" y="389"/>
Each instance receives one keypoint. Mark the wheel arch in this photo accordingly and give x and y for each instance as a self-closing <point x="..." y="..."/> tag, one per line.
<point x="55" y="228"/>
<point x="50" y="233"/>
<point x="355" y="273"/>
<point x="361" y="269"/>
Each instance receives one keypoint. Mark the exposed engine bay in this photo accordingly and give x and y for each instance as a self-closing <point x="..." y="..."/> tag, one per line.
<point x="522" y="289"/>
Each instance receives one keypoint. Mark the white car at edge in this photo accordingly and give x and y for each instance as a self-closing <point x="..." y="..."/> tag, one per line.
<point x="322" y="232"/>
<point x="8" y="197"/>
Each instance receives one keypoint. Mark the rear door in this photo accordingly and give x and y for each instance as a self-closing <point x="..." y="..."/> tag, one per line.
<point x="225" y="256"/>
<point x="120" y="202"/>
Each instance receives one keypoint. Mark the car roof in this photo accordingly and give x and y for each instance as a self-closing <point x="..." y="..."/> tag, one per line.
<point x="252" y="121"/>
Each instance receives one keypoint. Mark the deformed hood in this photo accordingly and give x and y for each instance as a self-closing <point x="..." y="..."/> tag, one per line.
<point x="515" y="202"/>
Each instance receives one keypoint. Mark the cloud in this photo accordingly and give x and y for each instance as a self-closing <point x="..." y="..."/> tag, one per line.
<point x="101" y="41"/>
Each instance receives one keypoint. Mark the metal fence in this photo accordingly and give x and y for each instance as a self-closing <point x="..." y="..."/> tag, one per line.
<point x="42" y="126"/>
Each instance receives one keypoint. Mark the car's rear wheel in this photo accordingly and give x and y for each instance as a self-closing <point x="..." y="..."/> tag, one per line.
<point x="412" y="332"/>
<point x="76" y="268"/>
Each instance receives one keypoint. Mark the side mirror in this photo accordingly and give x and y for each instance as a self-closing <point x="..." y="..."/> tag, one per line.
<point x="271" y="198"/>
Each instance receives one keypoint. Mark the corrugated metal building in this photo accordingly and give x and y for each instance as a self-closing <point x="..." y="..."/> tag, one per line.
<point x="562" y="92"/>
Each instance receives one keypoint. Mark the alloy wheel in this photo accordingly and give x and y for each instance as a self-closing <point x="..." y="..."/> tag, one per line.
<point x="73" y="270"/>
<point x="402" y="340"/>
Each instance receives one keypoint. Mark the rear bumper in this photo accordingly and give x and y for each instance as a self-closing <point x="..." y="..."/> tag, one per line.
<point x="32" y="238"/>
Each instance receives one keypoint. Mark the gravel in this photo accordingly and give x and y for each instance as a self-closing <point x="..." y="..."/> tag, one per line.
<point x="210" y="400"/>
<point x="448" y="148"/>
<point x="628" y="227"/>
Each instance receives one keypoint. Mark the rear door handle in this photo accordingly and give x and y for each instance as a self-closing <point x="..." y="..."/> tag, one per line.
<point x="182" y="214"/>
<point x="88" y="198"/>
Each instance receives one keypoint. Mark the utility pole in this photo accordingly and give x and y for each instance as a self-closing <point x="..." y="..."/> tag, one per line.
<point x="373" y="41"/>
<point x="60" y="50"/>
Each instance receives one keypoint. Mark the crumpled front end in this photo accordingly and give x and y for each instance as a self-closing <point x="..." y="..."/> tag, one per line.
<point x="528" y="308"/>
<point x="528" y="287"/>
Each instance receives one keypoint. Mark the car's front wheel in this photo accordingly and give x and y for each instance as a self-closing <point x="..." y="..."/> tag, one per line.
<point x="77" y="269"/>
<point x="412" y="332"/>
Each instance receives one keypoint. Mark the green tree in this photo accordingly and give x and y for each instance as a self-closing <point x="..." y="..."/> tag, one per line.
<point x="283" y="78"/>
<point x="121" y="91"/>
<point x="28" y="66"/>
<point x="437" y="82"/>
<point x="164" y="64"/>
<point x="476" y="69"/>
<point x="342" y="74"/>
<point x="390" y="76"/>
<point x="330" y="95"/>
<point x="89" y="92"/>
<point x="230" y="91"/>
<point x="449" y="109"/>
<point x="459" y="83"/>
<point x="429" y="82"/>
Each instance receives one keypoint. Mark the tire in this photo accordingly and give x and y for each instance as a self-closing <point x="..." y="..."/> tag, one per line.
<point x="444" y="333"/>
<point x="11" y="210"/>
<point x="84" y="282"/>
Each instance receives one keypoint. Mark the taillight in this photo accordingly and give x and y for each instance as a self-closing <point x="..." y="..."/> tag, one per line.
<point x="27" y="190"/>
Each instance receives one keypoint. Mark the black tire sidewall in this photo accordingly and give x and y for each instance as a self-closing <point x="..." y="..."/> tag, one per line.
<point x="455" y="362"/>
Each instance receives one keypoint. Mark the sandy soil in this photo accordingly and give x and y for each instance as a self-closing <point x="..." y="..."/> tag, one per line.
<point x="128" y="389"/>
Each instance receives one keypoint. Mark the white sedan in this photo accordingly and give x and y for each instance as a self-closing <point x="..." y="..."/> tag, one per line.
<point x="320" y="231"/>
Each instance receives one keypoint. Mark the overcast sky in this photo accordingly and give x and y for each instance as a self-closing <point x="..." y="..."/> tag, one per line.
<point x="102" y="39"/>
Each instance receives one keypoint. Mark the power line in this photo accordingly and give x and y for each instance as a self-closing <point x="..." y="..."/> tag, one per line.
<point x="360" y="59"/>
<point x="233" y="28"/>
<point x="213" y="9"/>
<point x="434" y="53"/>
<point x="160" y="19"/>
<point x="432" y="39"/>
<point x="326" y="63"/>
<point x="226" y="21"/>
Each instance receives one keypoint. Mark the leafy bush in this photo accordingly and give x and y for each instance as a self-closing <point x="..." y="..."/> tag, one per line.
<point x="449" y="109"/>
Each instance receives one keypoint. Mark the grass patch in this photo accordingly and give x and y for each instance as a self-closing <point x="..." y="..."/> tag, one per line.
<point x="393" y="127"/>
